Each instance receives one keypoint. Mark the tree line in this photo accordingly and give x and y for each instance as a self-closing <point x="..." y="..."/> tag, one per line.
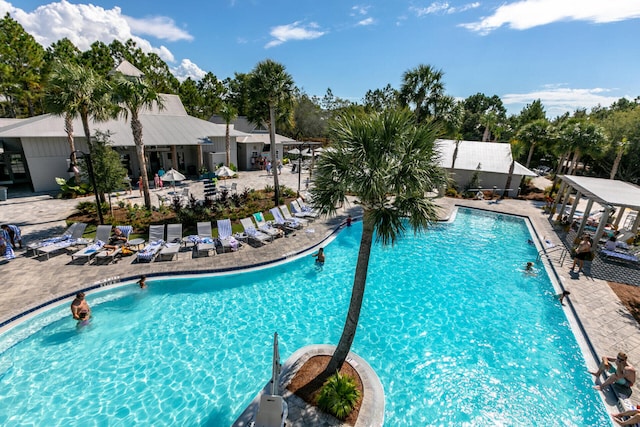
<point x="602" y="142"/>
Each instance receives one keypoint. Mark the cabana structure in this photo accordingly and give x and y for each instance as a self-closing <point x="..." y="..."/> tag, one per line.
<point x="607" y="192"/>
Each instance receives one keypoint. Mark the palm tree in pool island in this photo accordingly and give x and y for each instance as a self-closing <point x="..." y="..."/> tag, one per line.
<point x="389" y="164"/>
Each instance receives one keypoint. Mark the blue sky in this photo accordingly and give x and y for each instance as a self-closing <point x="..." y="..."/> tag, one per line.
<point x="569" y="53"/>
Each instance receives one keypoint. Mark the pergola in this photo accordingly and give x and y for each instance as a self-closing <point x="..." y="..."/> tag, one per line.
<point x="607" y="192"/>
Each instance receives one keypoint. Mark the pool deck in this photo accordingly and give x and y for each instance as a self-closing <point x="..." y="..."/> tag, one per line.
<point x="28" y="282"/>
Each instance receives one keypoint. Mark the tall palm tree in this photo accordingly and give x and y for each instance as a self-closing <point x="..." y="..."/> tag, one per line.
<point x="135" y="94"/>
<point x="422" y="89"/>
<point x="388" y="163"/>
<point x="75" y="91"/>
<point x="229" y="113"/>
<point x="532" y="134"/>
<point x="271" y="94"/>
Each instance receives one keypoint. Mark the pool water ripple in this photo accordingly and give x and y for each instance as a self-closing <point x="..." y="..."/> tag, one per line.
<point x="456" y="331"/>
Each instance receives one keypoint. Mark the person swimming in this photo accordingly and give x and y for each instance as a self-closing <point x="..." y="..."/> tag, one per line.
<point x="80" y="309"/>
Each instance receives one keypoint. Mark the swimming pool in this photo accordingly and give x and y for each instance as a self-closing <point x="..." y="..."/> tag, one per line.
<point x="457" y="333"/>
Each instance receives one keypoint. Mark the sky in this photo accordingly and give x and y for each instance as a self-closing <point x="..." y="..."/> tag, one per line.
<point x="570" y="54"/>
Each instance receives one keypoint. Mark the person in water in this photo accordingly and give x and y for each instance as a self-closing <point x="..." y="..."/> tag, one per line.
<point x="142" y="282"/>
<point x="622" y="373"/>
<point x="319" y="256"/>
<point x="80" y="309"/>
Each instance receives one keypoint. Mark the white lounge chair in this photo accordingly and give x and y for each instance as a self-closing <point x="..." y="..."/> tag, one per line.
<point x="297" y="210"/>
<point x="49" y="246"/>
<point x="156" y="243"/>
<point x="265" y="227"/>
<point x="107" y="255"/>
<point x="305" y="207"/>
<point x="273" y="412"/>
<point x="254" y="234"/>
<point x="228" y="242"/>
<point x="174" y="240"/>
<point x="205" y="242"/>
<point x="102" y="237"/>
<point x="288" y="217"/>
<point x="280" y="222"/>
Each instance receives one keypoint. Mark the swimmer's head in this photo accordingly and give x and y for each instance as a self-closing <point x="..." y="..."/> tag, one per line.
<point x="80" y="295"/>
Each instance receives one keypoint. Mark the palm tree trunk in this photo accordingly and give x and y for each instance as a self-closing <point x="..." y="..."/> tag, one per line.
<point x="87" y="131"/>
<point x="509" y="178"/>
<point x="274" y="166"/>
<point x="136" y="128"/>
<point x="68" y="128"/>
<point x="357" y="295"/>
<point x="616" y="163"/>
<point x="533" y="146"/>
<point x="227" y="143"/>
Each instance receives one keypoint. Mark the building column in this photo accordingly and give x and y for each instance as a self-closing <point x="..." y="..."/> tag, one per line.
<point x="603" y="223"/>
<point x="574" y="207"/>
<point x="199" y="161"/>
<point x="174" y="157"/>
<point x="636" y="223"/>
<point x="616" y="225"/>
<point x="587" y="211"/>
<point x="565" y="200"/>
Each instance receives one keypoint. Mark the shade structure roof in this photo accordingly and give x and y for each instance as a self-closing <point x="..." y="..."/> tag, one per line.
<point x="489" y="156"/>
<point x="606" y="191"/>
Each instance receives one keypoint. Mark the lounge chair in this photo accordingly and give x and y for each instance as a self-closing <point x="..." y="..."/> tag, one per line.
<point x="272" y="412"/>
<point x="288" y="217"/>
<point x="156" y="243"/>
<point x="305" y="207"/>
<point x="281" y="223"/>
<point x="49" y="246"/>
<point x="205" y="242"/>
<point x="619" y="256"/>
<point x="227" y="241"/>
<point x="254" y="234"/>
<point x="265" y="227"/>
<point x="110" y="254"/>
<point x="102" y="237"/>
<point x="297" y="210"/>
<point x="174" y="240"/>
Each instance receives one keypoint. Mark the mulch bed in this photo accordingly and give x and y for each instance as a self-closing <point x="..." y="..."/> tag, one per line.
<point x="306" y="385"/>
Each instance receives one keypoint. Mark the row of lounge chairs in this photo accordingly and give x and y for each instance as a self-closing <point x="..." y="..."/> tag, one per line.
<point x="255" y="229"/>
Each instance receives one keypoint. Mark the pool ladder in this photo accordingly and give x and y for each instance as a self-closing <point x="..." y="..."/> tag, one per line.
<point x="547" y="251"/>
<point x="108" y="281"/>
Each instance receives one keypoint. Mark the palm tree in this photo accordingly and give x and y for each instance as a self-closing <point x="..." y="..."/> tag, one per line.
<point x="134" y="94"/>
<point x="229" y="113"/>
<point x="516" y="151"/>
<point x="532" y="134"/>
<point x="271" y="95"/>
<point x="423" y="89"/>
<point x="388" y="163"/>
<point x="74" y="91"/>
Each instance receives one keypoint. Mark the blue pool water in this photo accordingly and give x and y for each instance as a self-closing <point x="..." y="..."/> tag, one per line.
<point x="457" y="333"/>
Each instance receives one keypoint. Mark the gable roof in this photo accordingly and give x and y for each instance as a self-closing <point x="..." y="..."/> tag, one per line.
<point x="490" y="156"/>
<point x="170" y="126"/>
<point x="128" y="69"/>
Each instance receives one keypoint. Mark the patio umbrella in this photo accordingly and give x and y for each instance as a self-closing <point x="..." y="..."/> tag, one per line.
<point x="307" y="153"/>
<point x="173" y="176"/>
<point x="294" y="151"/>
<point x="276" y="367"/>
<point x="225" y="172"/>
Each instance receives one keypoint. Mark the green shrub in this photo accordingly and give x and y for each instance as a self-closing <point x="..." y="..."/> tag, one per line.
<point x="339" y="396"/>
<point x="451" y="192"/>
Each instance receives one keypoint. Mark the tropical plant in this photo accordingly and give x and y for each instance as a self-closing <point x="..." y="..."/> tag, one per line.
<point x="339" y="395"/>
<point x="389" y="163"/>
<point x="134" y="94"/>
<point x="271" y="94"/>
<point x="75" y="91"/>
<point x="532" y="134"/>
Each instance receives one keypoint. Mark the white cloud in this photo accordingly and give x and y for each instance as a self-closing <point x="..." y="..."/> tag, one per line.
<point x="525" y="14"/>
<point x="188" y="69"/>
<point x="443" y="8"/>
<point x="360" y="10"/>
<point x="295" y="31"/>
<point x="367" y="21"/>
<point x="85" y="24"/>
<point x="558" y="100"/>
<point x="159" y="27"/>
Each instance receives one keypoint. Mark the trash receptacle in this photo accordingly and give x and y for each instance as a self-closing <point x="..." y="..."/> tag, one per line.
<point x="3" y="194"/>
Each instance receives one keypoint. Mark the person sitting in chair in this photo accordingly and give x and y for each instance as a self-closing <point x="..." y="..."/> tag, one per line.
<point x="118" y="239"/>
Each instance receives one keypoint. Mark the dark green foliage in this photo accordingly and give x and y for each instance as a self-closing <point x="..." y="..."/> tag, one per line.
<point x="339" y="395"/>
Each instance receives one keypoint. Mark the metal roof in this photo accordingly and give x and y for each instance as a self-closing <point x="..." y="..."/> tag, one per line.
<point x="606" y="191"/>
<point x="486" y="156"/>
<point x="170" y="126"/>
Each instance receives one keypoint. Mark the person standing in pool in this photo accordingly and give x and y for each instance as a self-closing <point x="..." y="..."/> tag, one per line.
<point x="142" y="282"/>
<point x="80" y="308"/>
<point x="319" y="256"/>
